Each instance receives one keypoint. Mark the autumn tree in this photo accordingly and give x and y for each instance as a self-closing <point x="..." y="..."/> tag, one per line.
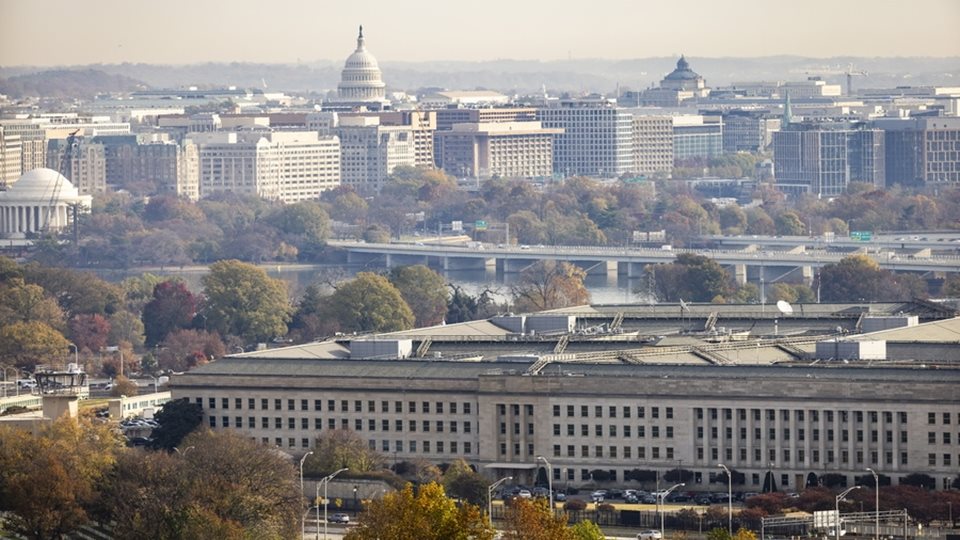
<point x="339" y="448"/>
<point x="48" y="480"/>
<point x="89" y="331"/>
<point x="75" y="291"/>
<point x="532" y="520"/>
<point x="172" y="306"/>
<point x="427" y="514"/>
<point x="860" y="278"/>
<point x="242" y="300"/>
<point x="549" y="284"/>
<point x="424" y="290"/>
<point x="465" y="307"/>
<point x="123" y="386"/>
<point x="369" y="303"/>
<point x="586" y="530"/>
<point x="184" y="349"/>
<point x="691" y="277"/>
<point x="23" y="302"/>
<point x="26" y="344"/>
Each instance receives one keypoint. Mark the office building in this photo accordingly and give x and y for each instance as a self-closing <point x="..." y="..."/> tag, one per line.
<point x="653" y="144"/>
<point x="696" y="138"/>
<point x="748" y="130"/>
<point x="921" y="151"/>
<point x="87" y="166"/>
<point x="422" y="125"/>
<point x="498" y="395"/>
<point x="287" y="166"/>
<point x="597" y="138"/>
<point x="11" y="166"/>
<point x="823" y="159"/>
<point x="370" y="151"/>
<point x="497" y="149"/>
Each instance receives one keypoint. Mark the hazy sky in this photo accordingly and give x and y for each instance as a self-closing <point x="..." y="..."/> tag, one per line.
<point x="65" y="32"/>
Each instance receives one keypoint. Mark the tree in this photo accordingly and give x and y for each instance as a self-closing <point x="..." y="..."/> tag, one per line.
<point x="242" y="300"/>
<point x="185" y="349"/>
<point x="464" y="307"/>
<point x="125" y="327"/>
<point x="48" y="480"/>
<point x="89" y="331"/>
<point x="426" y="515"/>
<point x="176" y="419"/>
<point x="123" y="386"/>
<point x="692" y="277"/>
<point x="76" y="292"/>
<point x="173" y="306"/>
<point x="549" y="285"/>
<point x="718" y="534"/>
<point x="424" y="290"/>
<point x="859" y="278"/>
<point x="338" y="448"/>
<point x="919" y="480"/>
<point x="21" y="302"/>
<point x="587" y="530"/>
<point x="532" y="520"/>
<point x="790" y="224"/>
<point x="26" y="344"/>
<point x="369" y="303"/>
<point x="678" y="475"/>
<point x="460" y="481"/>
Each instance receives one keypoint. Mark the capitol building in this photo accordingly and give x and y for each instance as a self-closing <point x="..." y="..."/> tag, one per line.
<point x="39" y="201"/>
<point x="361" y="81"/>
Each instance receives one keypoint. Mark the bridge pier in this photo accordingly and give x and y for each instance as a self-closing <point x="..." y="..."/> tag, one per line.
<point x="393" y="260"/>
<point x="596" y="268"/>
<point x="739" y="272"/>
<point x="359" y="258"/>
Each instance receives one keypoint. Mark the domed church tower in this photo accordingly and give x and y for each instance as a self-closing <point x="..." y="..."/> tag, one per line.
<point x="361" y="79"/>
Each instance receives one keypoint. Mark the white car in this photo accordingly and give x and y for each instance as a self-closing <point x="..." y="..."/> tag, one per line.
<point x="651" y="534"/>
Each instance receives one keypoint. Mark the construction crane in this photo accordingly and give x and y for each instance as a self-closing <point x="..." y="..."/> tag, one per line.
<point x="849" y="72"/>
<point x="65" y="162"/>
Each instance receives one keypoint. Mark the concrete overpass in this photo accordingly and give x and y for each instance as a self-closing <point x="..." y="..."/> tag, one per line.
<point x="770" y="266"/>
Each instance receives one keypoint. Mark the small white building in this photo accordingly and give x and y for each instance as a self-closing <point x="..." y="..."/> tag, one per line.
<point x="39" y="201"/>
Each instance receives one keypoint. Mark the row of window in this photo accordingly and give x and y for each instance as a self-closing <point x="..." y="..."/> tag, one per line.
<point x="451" y="426"/>
<point x="600" y="451"/>
<point x="625" y="411"/>
<point x="801" y="434"/>
<point x="786" y="456"/>
<point x="412" y="447"/>
<point x="345" y="405"/>
<point x="612" y="431"/>
<point x="801" y="415"/>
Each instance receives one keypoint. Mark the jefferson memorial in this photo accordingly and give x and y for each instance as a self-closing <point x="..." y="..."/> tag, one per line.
<point x="39" y="201"/>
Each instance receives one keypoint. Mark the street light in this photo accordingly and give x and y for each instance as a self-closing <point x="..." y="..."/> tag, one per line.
<point x="837" y="508"/>
<point x="490" y="489"/>
<point x="303" y="519"/>
<point x="549" y="481"/>
<point x="663" y="498"/>
<point x="876" y="507"/>
<point x="326" y="480"/>
<point x="729" y="498"/>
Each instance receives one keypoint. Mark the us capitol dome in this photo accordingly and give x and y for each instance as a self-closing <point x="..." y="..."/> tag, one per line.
<point x="361" y="80"/>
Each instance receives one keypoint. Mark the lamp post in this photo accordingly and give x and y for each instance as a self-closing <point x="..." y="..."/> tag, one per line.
<point x="355" y="500"/>
<point x="837" y="508"/>
<point x="549" y="481"/>
<point x="663" y="498"/>
<point x="729" y="498"/>
<point x="16" y="379"/>
<point x="326" y="480"/>
<point x="876" y="504"/>
<point x="490" y="489"/>
<point x="303" y="518"/>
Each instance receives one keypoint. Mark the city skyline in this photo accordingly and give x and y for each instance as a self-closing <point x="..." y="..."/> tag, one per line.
<point x="114" y="31"/>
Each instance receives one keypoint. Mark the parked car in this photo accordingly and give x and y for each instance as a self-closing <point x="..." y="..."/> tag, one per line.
<point x="651" y="534"/>
<point x="524" y="494"/>
<point x="339" y="518"/>
<point x="560" y="496"/>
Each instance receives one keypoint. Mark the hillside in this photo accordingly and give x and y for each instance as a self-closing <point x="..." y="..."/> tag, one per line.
<point x="67" y="83"/>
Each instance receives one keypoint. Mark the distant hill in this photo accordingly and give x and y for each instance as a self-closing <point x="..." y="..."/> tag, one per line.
<point x="67" y="83"/>
<point x="521" y="76"/>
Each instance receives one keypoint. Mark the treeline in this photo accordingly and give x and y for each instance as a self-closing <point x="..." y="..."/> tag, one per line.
<point x="67" y="84"/>
<point x="126" y="231"/>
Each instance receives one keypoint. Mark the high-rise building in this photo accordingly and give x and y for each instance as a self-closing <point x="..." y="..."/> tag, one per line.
<point x="446" y="118"/>
<point x="697" y="137"/>
<point x="171" y="167"/>
<point x="652" y="144"/>
<point x="748" y="130"/>
<point x="422" y="124"/>
<point x="369" y="151"/>
<point x="11" y="166"/>
<point x="504" y="149"/>
<point x="288" y="166"/>
<point x="921" y="151"/>
<point x="822" y="159"/>
<point x="597" y="138"/>
<point x="87" y="167"/>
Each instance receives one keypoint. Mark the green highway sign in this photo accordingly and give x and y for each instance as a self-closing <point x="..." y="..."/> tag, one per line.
<point x="863" y="236"/>
<point x="480" y="225"/>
